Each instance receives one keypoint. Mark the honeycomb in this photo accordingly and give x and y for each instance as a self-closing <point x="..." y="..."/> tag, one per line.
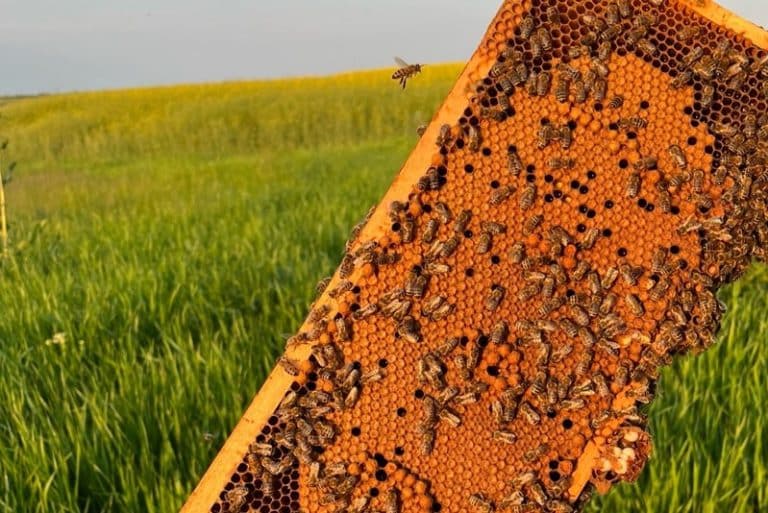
<point x="497" y="325"/>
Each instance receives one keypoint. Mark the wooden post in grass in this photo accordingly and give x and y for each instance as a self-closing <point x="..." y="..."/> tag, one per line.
<point x="471" y="458"/>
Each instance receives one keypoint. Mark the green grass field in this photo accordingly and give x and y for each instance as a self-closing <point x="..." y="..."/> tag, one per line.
<point x="174" y="237"/>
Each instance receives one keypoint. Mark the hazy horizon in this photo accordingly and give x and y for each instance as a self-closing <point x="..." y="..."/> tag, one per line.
<point x="48" y="46"/>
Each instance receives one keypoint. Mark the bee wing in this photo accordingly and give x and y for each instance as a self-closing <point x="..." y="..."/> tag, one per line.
<point x="400" y="62"/>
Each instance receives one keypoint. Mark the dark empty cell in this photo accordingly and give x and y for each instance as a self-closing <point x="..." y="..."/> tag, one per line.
<point x="216" y="508"/>
<point x="354" y="307"/>
<point x="530" y="168"/>
<point x="381" y="475"/>
<point x="688" y="110"/>
<point x="468" y="234"/>
<point x="583" y="209"/>
<point x="544" y="121"/>
<point x="401" y="412"/>
<point x="583" y="189"/>
<point x="437" y="507"/>
<point x="463" y="120"/>
<point x="598" y="106"/>
<point x="474" y="121"/>
<point x="427" y="207"/>
<point x="482" y="341"/>
<point x="682" y="264"/>
<point x="622" y="252"/>
<point x="311" y="386"/>
<point x="468" y="111"/>
<point x="554" y="475"/>
<point x="419" y="393"/>
<point x="469" y="272"/>
<point x="650" y="207"/>
<point x="495" y="259"/>
<point x="459" y="143"/>
<point x="623" y="164"/>
<point x="464" y="341"/>
<point x="383" y="362"/>
<point x="395" y="227"/>
<point x="294" y="494"/>
<point x="512" y="148"/>
<point x="558" y="193"/>
<point x="549" y="198"/>
<point x="373" y="492"/>
<point x="631" y="135"/>
<point x="235" y="478"/>
<point x="551" y="414"/>
<point x="608" y="204"/>
<point x="247" y="477"/>
<point x="273" y="421"/>
<point x="495" y="184"/>
<point x="572" y="124"/>
<point x="443" y="151"/>
<point x="355" y="290"/>
<point x="242" y="467"/>
<point x="694" y="123"/>
<point x="399" y="451"/>
<point x="674" y="249"/>
<point x="356" y="365"/>
<point x="380" y="459"/>
<point x="692" y="141"/>
<point x="486" y="152"/>
<point x="492" y="370"/>
<point x="554" y="464"/>
<point x="469" y="168"/>
<point x="613" y="126"/>
<point x="575" y="184"/>
<point x="530" y="178"/>
<point x="567" y="423"/>
<point x="591" y="175"/>
<point x="355" y="431"/>
<point x="549" y="178"/>
<point x="641" y="203"/>
<point x="285" y="501"/>
<point x="708" y="149"/>
<point x="581" y="228"/>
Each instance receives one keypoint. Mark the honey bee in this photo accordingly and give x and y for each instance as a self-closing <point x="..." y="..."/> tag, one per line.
<point x="484" y="243"/>
<point x="537" y="494"/>
<point x="405" y="71"/>
<point x="569" y="327"/>
<point x="632" y="187"/>
<point x="529" y="413"/>
<point x="504" y="436"/>
<point x="474" y="138"/>
<point x="391" y="501"/>
<point x="608" y="303"/>
<point x="517" y="252"/>
<point x="553" y="16"/>
<point x="475" y="354"/>
<point x="647" y="47"/>
<point x="480" y="503"/>
<point x="461" y="364"/>
<point x="522" y="480"/>
<point x="443" y="212"/>
<point x="527" y="26"/>
<point x="562" y="88"/>
<point x="450" y="417"/>
<point x="579" y="315"/>
<point x="688" y="33"/>
<point x="579" y="91"/>
<point x="444" y="135"/>
<point x="545" y="39"/>
<point x="436" y="308"/>
<point x="528" y="196"/>
<point x="616" y="102"/>
<point x="514" y="163"/>
<point x="430" y="231"/>
<point x="572" y="404"/>
<point x="289" y="366"/>
<point x="408" y="328"/>
<point x="589" y="239"/>
<point x="449" y="247"/>
<point x="462" y="221"/>
<point x="609" y="278"/>
<point x="499" y="332"/>
<point x="586" y="336"/>
<point x="408" y="230"/>
<point x="543" y="83"/>
<point x="532" y="223"/>
<point x="427" y="441"/>
<point x="322" y="285"/>
<point x="545" y="135"/>
<point x="341" y="288"/>
<point x="599" y="89"/>
<point x="448" y="346"/>
<point x="561" y="163"/>
<point x="447" y="395"/>
<point x="500" y="195"/>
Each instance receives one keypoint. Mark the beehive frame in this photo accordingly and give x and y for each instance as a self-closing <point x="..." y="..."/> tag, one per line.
<point x="379" y="224"/>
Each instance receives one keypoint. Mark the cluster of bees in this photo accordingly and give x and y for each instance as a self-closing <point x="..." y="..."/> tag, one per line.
<point x="581" y="341"/>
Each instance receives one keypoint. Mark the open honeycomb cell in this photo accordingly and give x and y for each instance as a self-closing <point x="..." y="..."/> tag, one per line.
<point x="498" y="322"/>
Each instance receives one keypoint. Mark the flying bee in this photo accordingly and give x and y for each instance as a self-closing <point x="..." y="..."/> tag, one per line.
<point x="481" y="504"/>
<point x="474" y="138"/>
<point x="543" y="83"/>
<point x="632" y="186"/>
<point x="514" y="162"/>
<point x="500" y="195"/>
<point x="405" y="71"/>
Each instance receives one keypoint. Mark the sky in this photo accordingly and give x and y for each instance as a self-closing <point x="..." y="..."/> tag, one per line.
<point x="66" y="45"/>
